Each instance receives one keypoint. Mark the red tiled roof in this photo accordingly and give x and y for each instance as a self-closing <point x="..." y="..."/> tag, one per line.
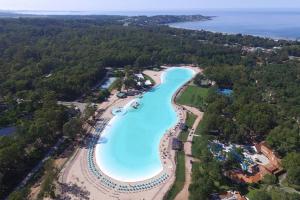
<point x="240" y="176"/>
<point x="231" y="195"/>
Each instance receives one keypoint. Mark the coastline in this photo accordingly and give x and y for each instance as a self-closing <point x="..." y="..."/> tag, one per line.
<point x="178" y="25"/>
<point x="260" y="23"/>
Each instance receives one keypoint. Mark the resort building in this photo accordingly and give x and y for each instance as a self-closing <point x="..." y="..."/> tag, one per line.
<point x="140" y="76"/>
<point x="274" y="165"/>
<point x="207" y="83"/>
<point x="229" y="195"/>
<point x="148" y="83"/>
<point x="240" y="176"/>
<point x="121" y="95"/>
<point x="255" y="161"/>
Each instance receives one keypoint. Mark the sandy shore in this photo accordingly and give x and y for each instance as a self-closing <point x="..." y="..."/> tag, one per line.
<point x="155" y="75"/>
<point x="77" y="177"/>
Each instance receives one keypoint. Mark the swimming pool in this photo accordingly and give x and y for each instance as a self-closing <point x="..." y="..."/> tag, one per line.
<point x="131" y="151"/>
<point x="226" y="92"/>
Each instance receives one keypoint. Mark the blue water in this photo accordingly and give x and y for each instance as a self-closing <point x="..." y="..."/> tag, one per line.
<point x="108" y="83"/>
<point x="273" y="23"/>
<point x="131" y="151"/>
<point x="276" y="24"/>
<point x="226" y="92"/>
<point x="7" y="131"/>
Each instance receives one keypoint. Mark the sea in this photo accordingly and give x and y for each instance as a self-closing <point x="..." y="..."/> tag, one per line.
<point x="270" y="23"/>
<point x="275" y="24"/>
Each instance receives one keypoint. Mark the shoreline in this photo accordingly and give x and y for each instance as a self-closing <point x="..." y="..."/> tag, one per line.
<point x="178" y="25"/>
<point x="77" y="172"/>
<point x="179" y="119"/>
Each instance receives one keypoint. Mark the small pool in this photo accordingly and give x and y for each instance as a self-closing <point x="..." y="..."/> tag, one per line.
<point x="108" y="83"/>
<point x="131" y="150"/>
<point x="7" y="131"/>
<point x="226" y="92"/>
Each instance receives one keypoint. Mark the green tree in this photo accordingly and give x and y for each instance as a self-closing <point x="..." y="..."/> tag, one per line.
<point x="293" y="175"/>
<point x="103" y="94"/>
<point x="18" y="195"/>
<point x="291" y="160"/>
<point x="270" y="179"/>
<point x="73" y="128"/>
<point x="202" y="189"/>
<point x="259" y="195"/>
<point x="284" y="140"/>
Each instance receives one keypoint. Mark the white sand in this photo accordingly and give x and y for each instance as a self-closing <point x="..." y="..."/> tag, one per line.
<point x="76" y="170"/>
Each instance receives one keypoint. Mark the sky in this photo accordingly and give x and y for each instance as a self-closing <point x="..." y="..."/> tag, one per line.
<point x="133" y="5"/>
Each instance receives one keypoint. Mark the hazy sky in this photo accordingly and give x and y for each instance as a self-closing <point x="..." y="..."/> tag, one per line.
<point x="121" y="5"/>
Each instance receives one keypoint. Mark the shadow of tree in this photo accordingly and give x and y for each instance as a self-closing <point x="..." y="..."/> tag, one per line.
<point x="69" y="190"/>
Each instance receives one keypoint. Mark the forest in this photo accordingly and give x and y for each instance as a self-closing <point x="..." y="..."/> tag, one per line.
<point x="264" y="106"/>
<point x="50" y="59"/>
<point x="70" y="56"/>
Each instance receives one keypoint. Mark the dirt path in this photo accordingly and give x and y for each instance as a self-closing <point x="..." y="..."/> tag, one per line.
<point x="184" y="193"/>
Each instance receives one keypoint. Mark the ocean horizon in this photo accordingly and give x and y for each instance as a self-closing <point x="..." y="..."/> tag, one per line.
<point x="274" y="24"/>
<point x="269" y="23"/>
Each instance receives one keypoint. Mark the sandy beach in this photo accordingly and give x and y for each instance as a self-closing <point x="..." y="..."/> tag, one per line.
<point x="77" y="173"/>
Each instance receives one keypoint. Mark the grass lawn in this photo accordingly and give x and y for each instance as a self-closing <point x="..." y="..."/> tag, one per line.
<point x="199" y="141"/>
<point x="180" y="177"/>
<point x="190" y="119"/>
<point x="196" y="140"/>
<point x="193" y="96"/>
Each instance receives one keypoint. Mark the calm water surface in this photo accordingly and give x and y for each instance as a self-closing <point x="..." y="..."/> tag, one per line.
<point x="273" y="24"/>
<point x="131" y="151"/>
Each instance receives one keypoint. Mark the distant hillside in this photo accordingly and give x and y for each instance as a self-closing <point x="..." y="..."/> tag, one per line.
<point x="164" y="19"/>
<point x="132" y="20"/>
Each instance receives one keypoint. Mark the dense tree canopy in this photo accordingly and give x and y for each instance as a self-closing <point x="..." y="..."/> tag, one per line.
<point x="264" y="106"/>
<point x="50" y="59"/>
<point x="70" y="56"/>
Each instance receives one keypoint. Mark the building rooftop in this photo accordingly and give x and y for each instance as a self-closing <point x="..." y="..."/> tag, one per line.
<point x="177" y="144"/>
<point x="148" y="82"/>
<point x="140" y="76"/>
<point x="122" y="95"/>
<point x="231" y="195"/>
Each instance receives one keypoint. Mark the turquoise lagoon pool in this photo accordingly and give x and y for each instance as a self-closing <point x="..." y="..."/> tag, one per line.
<point x="131" y="150"/>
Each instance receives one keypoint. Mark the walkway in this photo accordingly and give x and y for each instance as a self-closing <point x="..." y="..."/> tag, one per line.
<point x="284" y="187"/>
<point x="184" y="193"/>
<point x="81" y="106"/>
<point x="39" y="165"/>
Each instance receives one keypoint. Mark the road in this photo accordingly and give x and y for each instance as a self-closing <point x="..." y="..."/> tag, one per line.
<point x="81" y="106"/>
<point x="39" y="165"/>
<point x="184" y="193"/>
